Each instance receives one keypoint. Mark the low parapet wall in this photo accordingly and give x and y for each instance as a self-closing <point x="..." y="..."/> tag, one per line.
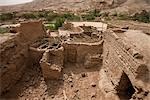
<point x="67" y="33"/>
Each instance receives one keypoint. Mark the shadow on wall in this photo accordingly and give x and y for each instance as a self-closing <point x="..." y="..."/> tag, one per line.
<point x="125" y="88"/>
<point x="143" y="73"/>
<point x="31" y="78"/>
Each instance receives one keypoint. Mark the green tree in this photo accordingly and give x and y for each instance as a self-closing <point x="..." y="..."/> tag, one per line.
<point x="59" y="22"/>
<point x="6" y="16"/>
<point x="29" y="15"/>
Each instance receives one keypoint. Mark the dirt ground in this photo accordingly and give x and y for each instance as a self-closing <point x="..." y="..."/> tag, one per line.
<point x="76" y="83"/>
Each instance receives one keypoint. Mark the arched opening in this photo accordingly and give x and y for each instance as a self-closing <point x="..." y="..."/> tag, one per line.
<point x="125" y="88"/>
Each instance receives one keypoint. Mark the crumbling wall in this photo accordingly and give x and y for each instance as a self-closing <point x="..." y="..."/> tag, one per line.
<point x="14" y="53"/>
<point x="13" y="60"/>
<point x="31" y="31"/>
<point x="119" y="59"/>
<point x="77" y="52"/>
<point x="93" y="60"/>
<point x="35" y="55"/>
<point x="52" y="63"/>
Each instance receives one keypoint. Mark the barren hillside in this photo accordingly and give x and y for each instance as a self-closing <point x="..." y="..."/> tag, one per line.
<point x="133" y="6"/>
<point x="73" y="5"/>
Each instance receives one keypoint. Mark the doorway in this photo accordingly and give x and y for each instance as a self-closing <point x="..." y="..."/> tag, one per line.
<point x="125" y="88"/>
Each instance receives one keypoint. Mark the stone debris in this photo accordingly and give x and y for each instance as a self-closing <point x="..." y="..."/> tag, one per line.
<point x="84" y="75"/>
<point x="77" y="90"/>
<point x="52" y="96"/>
<point x="71" y="85"/>
<point x="93" y="95"/>
<point x="70" y="79"/>
<point x="93" y="84"/>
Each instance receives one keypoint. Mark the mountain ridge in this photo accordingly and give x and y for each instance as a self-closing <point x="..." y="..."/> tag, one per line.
<point x="130" y="6"/>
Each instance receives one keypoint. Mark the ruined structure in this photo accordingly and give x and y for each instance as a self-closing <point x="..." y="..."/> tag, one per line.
<point x="15" y="54"/>
<point x="84" y="44"/>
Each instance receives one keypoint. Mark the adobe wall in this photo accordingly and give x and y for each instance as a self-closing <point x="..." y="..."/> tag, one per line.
<point x="15" y="55"/>
<point x="35" y="55"/>
<point x="77" y="52"/>
<point x="118" y="58"/>
<point x="67" y="33"/>
<point x="31" y="31"/>
<point x="52" y="63"/>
